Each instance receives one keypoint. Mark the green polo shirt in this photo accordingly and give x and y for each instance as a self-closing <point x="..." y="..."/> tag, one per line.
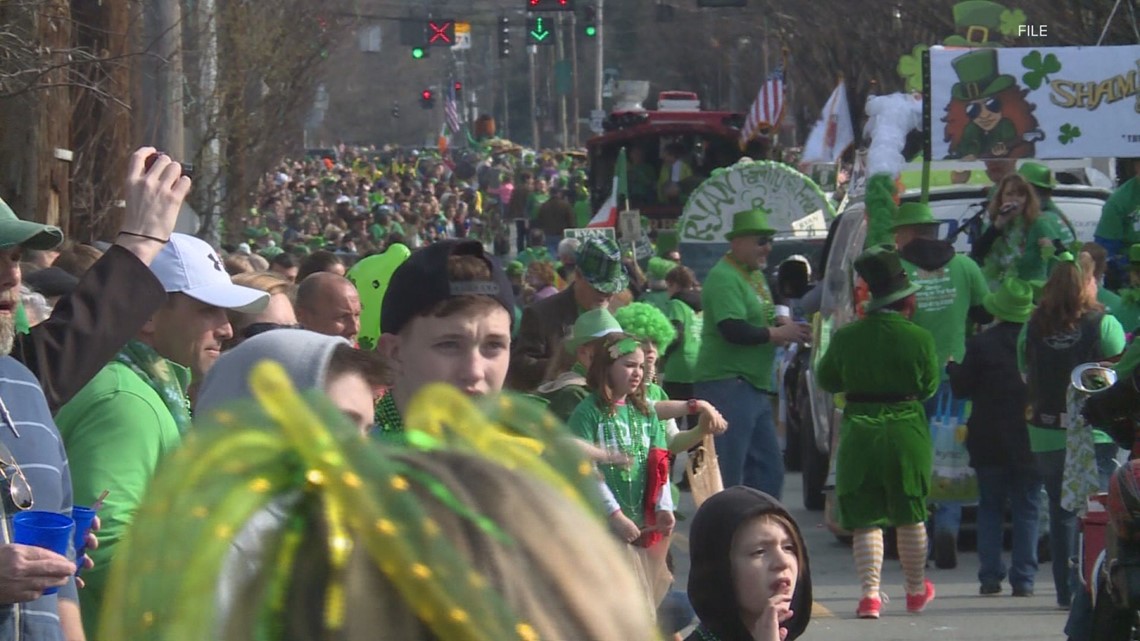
<point x="1120" y="217"/>
<point x="727" y="295"/>
<point x="682" y="362"/>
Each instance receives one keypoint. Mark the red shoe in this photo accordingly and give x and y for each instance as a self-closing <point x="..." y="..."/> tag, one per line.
<point x="917" y="602"/>
<point x="868" y="608"/>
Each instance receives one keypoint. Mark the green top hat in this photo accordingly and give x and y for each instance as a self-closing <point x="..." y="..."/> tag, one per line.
<point x="591" y="324"/>
<point x="1037" y="175"/>
<point x="24" y="233"/>
<point x="913" y="214"/>
<point x="599" y="261"/>
<point x="883" y="272"/>
<point x="1012" y="302"/>
<point x="980" y="21"/>
<point x="978" y="76"/>
<point x="753" y="222"/>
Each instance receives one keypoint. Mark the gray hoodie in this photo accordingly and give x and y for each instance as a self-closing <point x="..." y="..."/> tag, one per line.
<point x="305" y="356"/>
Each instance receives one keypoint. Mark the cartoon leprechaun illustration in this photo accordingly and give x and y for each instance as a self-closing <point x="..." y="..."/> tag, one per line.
<point x="988" y="116"/>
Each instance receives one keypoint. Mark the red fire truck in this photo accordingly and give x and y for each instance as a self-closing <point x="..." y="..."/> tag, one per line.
<point x="702" y="140"/>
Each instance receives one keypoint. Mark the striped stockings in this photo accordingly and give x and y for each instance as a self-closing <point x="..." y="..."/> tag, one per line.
<point x="868" y="545"/>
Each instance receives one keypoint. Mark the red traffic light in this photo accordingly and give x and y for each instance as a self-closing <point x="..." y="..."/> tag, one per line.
<point x="550" y="5"/>
<point x="426" y="95"/>
<point x="458" y="86"/>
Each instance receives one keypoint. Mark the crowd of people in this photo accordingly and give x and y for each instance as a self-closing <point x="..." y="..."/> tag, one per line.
<point x="223" y="403"/>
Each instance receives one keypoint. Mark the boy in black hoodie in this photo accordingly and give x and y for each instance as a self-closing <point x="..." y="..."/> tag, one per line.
<point x="738" y="594"/>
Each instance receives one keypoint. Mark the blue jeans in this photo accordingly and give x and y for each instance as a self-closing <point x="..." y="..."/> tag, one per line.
<point x="1021" y="487"/>
<point x="1079" y="624"/>
<point x="1063" y="523"/>
<point x="749" y="451"/>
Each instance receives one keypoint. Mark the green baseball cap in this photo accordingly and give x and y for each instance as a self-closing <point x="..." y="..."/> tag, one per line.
<point x="15" y="232"/>
<point x="590" y="325"/>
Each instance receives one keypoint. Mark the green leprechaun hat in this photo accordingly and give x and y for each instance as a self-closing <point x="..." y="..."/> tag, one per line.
<point x="978" y="23"/>
<point x="978" y="76"/>
<point x="882" y="270"/>
<point x="913" y="214"/>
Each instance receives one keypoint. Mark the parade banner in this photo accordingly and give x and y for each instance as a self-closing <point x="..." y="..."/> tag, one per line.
<point x="789" y="197"/>
<point x="1039" y="102"/>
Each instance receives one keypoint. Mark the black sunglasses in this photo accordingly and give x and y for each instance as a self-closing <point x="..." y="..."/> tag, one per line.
<point x="993" y="105"/>
<point x="19" y="490"/>
<point x="260" y="328"/>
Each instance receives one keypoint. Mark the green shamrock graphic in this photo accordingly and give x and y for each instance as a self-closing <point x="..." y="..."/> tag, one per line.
<point x="1011" y="21"/>
<point x="910" y="68"/>
<point x="1069" y="133"/>
<point x="1039" y="68"/>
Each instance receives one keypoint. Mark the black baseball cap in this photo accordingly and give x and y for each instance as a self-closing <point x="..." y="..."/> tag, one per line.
<point x="421" y="282"/>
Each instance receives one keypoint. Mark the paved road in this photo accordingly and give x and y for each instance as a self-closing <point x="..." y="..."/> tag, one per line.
<point x="958" y="613"/>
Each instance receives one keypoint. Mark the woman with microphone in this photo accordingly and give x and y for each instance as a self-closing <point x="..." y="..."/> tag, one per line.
<point x="1018" y="241"/>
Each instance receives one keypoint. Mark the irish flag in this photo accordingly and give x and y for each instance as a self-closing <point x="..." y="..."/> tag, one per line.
<point x="607" y="216"/>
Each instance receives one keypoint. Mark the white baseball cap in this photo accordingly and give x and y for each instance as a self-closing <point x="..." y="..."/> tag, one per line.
<point x="190" y="266"/>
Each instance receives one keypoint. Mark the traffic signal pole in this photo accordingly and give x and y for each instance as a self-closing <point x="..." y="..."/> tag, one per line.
<point x="600" y="78"/>
<point x="532" y="53"/>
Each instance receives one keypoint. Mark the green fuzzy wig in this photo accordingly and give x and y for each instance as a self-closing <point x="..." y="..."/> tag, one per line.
<point x="646" y="322"/>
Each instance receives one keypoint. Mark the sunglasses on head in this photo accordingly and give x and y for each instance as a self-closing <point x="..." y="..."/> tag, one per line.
<point x="260" y="328"/>
<point x="19" y="491"/>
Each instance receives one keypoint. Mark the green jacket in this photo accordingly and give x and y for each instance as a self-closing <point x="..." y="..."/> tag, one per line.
<point x="116" y="431"/>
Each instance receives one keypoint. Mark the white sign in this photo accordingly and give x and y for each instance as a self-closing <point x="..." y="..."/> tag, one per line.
<point x="1035" y="102"/>
<point x="462" y="36"/>
<point x="597" y="117"/>
<point x="787" y="195"/>
<point x="582" y="233"/>
<point x="629" y="224"/>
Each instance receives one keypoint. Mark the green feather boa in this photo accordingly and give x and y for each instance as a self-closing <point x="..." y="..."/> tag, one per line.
<point x="881" y="210"/>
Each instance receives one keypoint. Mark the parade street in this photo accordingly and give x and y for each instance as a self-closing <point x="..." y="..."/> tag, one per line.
<point x="957" y="614"/>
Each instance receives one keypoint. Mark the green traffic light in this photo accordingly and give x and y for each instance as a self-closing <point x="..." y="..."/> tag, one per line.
<point x="591" y="31"/>
<point x="418" y="53"/>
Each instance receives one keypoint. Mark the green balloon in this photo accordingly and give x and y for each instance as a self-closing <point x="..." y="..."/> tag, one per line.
<point x="371" y="277"/>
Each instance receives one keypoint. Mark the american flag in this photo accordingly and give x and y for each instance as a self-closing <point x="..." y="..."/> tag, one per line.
<point x="451" y="110"/>
<point x="768" y="108"/>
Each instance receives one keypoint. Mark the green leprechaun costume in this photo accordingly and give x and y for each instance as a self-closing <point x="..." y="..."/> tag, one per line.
<point x="885" y="456"/>
<point x="989" y="134"/>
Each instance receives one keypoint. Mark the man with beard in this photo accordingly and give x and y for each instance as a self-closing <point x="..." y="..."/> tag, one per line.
<point x="135" y="411"/>
<point x="110" y="303"/>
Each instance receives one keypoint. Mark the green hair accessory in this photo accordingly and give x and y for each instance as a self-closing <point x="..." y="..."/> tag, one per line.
<point x="623" y="347"/>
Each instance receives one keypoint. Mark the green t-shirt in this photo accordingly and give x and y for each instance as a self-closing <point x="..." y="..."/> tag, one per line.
<point x="944" y="303"/>
<point x="626" y="430"/>
<point x="659" y="298"/>
<point x="1120" y="216"/>
<point x="1058" y="220"/>
<point x="1110" y="300"/>
<point x="682" y="362"/>
<point x="1127" y="311"/>
<point x="116" y="430"/>
<point x="1111" y="343"/>
<point x="728" y="295"/>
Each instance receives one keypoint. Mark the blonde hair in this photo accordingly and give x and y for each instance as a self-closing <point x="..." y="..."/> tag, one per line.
<point x="560" y="572"/>
<point x="268" y="282"/>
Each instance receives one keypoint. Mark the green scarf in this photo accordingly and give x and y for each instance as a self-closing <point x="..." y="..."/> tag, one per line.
<point x="158" y="373"/>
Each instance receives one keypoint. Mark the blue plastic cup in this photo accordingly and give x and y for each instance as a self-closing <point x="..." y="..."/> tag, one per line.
<point x="49" y="530"/>
<point x="84" y="517"/>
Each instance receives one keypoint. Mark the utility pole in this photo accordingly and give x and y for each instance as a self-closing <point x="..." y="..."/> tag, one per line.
<point x="601" y="63"/>
<point x="577" y="114"/>
<point x="561" y="54"/>
<point x="162" y="78"/>
<point x="532" y="52"/>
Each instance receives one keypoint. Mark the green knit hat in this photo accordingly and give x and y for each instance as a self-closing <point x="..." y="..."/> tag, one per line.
<point x="1012" y="302"/>
<point x="590" y="325"/>
<point x="913" y="214"/>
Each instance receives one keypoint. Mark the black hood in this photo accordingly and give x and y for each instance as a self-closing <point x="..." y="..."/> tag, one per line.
<point x="928" y="254"/>
<point x="692" y="298"/>
<point x="710" y="574"/>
